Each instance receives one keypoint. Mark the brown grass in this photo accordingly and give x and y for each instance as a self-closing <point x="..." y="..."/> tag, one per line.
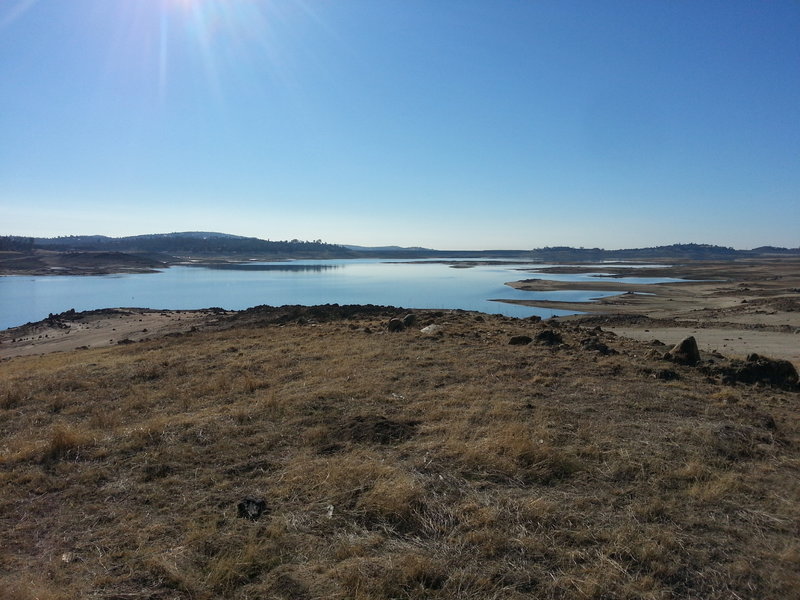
<point x="392" y="466"/>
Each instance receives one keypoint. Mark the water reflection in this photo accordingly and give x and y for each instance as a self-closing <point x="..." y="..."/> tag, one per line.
<point x="268" y="267"/>
<point x="307" y="282"/>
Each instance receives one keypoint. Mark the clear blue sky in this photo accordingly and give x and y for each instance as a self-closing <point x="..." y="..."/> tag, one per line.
<point x="440" y="123"/>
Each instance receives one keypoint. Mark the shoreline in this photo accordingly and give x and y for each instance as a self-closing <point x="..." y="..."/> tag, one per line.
<point x="736" y="307"/>
<point x="733" y="307"/>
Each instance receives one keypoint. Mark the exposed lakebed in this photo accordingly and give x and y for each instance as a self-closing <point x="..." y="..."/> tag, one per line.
<point x="417" y="284"/>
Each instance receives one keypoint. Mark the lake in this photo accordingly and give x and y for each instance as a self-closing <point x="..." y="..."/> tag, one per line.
<point x="418" y="284"/>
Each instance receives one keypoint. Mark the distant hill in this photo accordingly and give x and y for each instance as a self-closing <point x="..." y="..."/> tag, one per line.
<point x="570" y="254"/>
<point x="204" y="235"/>
<point x="766" y="250"/>
<point x="210" y="243"/>
<point x="673" y="252"/>
<point x="389" y="248"/>
<point x="193" y="243"/>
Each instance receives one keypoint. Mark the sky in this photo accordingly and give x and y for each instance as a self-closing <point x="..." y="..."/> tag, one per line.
<point x="450" y="124"/>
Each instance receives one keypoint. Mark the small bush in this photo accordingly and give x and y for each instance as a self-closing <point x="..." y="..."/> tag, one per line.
<point x="235" y="567"/>
<point x="11" y="397"/>
<point x="66" y="443"/>
<point x="391" y="498"/>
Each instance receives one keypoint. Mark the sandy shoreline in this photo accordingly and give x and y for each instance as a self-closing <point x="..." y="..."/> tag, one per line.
<point x="734" y="307"/>
<point x="100" y="328"/>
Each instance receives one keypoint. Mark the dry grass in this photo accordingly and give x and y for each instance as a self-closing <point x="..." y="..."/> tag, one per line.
<point x="392" y="466"/>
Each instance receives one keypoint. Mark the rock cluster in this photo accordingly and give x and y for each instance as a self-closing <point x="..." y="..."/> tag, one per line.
<point x="397" y="324"/>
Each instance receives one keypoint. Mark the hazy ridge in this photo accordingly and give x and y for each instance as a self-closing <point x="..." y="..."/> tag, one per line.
<point x="214" y="243"/>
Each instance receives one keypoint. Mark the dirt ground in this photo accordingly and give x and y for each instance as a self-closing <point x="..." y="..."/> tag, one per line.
<point x="310" y="452"/>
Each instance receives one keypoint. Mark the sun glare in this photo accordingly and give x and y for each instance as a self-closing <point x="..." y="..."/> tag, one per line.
<point x="222" y="35"/>
<point x="184" y="3"/>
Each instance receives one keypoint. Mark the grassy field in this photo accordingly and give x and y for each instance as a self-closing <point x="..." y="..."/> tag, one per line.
<point x="393" y="465"/>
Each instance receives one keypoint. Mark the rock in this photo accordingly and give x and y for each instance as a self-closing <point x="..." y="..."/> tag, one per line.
<point x="431" y="330"/>
<point x="520" y="340"/>
<point x="685" y="352"/>
<point x="666" y="375"/>
<point x="593" y="343"/>
<point x="250" y="508"/>
<point x="395" y="325"/>
<point x="549" y="337"/>
<point x="409" y="320"/>
<point x="535" y="319"/>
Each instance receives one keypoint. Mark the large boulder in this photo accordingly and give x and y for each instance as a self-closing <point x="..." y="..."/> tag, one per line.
<point x="520" y="340"/>
<point x="395" y="325"/>
<point x="685" y="352"/>
<point x="409" y="320"/>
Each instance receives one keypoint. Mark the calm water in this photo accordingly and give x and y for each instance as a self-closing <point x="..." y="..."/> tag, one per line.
<point x="410" y="285"/>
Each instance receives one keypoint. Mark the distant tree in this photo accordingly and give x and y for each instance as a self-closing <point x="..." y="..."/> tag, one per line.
<point x="16" y="244"/>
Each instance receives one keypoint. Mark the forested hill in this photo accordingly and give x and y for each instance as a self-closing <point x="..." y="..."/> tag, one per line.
<point x="191" y="243"/>
<point x="673" y="252"/>
<point x="199" y="243"/>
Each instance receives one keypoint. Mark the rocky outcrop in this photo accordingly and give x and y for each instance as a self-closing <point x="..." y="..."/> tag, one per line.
<point x="760" y="369"/>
